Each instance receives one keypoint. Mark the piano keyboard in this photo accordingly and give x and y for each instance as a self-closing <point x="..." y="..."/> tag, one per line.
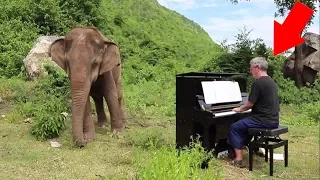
<point x="229" y="113"/>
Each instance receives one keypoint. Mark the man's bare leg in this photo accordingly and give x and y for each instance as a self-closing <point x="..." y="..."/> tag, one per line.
<point x="239" y="155"/>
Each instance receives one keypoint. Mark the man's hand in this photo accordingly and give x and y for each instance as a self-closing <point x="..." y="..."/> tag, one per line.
<point x="238" y="109"/>
<point x="246" y="106"/>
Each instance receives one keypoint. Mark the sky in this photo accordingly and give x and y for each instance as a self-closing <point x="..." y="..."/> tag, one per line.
<point x="223" y="20"/>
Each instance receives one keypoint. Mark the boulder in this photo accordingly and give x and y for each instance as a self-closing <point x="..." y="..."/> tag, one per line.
<point x="38" y="56"/>
<point x="311" y="59"/>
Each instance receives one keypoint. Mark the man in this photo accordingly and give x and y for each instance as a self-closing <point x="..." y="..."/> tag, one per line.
<point x="264" y="104"/>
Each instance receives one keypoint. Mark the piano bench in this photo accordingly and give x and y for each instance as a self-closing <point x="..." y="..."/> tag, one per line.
<point x="262" y="137"/>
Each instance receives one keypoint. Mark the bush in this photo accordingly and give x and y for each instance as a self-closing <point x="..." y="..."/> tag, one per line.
<point x="16" y="39"/>
<point x="48" y="123"/>
<point x="290" y="94"/>
<point x="42" y="101"/>
<point x="56" y="82"/>
<point x="52" y="98"/>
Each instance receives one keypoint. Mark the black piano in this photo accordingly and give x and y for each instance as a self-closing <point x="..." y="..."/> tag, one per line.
<point x="209" y="122"/>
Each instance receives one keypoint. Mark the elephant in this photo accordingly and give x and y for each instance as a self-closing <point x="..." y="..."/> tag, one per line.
<point x="310" y="60"/>
<point x="309" y="75"/>
<point x="93" y="65"/>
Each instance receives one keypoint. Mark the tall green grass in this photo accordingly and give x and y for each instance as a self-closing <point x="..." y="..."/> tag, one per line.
<point x="167" y="162"/>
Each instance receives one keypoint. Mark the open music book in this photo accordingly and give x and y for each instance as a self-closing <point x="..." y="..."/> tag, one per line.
<point x="216" y="92"/>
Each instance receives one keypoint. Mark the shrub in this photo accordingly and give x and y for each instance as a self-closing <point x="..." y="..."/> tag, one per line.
<point x="48" y="125"/>
<point x="16" y="38"/>
<point x="56" y="82"/>
<point x="290" y="94"/>
<point x="43" y="101"/>
<point x="48" y="120"/>
<point x="50" y="100"/>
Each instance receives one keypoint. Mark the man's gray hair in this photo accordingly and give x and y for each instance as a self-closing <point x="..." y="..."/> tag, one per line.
<point x="261" y="62"/>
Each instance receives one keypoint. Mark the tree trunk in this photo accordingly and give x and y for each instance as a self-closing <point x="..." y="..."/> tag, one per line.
<point x="298" y="65"/>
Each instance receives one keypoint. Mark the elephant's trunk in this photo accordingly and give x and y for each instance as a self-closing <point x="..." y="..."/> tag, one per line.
<point x="80" y="87"/>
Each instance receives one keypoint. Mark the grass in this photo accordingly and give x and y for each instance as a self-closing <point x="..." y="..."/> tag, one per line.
<point x="145" y="144"/>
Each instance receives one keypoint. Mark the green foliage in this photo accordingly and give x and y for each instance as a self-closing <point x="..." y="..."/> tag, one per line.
<point x="56" y="82"/>
<point x="236" y="57"/>
<point x="43" y="102"/>
<point x="290" y="94"/>
<point x="168" y="163"/>
<point x="81" y="12"/>
<point x="51" y="98"/>
<point x="48" y="122"/>
<point x="16" y="39"/>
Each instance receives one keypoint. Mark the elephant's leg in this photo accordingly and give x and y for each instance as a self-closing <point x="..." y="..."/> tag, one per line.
<point x="96" y="93"/>
<point x="116" y="72"/>
<point x="308" y="75"/>
<point x="98" y="101"/>
<point x="88" y="125"/>
<point x="111" y="96"/>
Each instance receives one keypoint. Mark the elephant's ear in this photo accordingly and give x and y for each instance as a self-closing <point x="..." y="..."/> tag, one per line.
<point x="56" y="51"/>
<point x="110" y="58"/>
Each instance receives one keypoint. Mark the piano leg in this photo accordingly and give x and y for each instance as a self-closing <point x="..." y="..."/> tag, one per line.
<point x="206" y="139"/>
<point x="206" y="145"/>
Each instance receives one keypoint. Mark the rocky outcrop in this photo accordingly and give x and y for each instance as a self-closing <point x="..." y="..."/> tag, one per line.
<point x="38" y="56"/>
<point x="311" y="59"/>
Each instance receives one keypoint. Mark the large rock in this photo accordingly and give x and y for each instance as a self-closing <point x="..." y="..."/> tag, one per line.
<point x="311" y="59"/>
<point x="38" y="56"/>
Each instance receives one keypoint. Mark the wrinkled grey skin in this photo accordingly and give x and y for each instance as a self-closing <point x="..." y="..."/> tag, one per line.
<point x="310" y="60"/>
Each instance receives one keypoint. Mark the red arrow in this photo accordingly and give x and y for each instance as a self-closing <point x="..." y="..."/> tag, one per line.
<point x="287" y="35"/>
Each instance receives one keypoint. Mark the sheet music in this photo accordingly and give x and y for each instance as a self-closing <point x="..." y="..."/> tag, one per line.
<point x="221" y="91"/>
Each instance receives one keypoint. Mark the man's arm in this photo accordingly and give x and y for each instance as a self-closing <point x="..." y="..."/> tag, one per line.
<point x="248" y="105"/>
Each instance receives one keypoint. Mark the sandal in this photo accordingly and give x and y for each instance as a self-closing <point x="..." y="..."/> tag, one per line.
<point x="237" y="163"/>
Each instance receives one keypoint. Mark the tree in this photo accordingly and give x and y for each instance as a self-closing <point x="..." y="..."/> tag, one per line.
<point x="236" y="56"/>
<point x="283" y="7"/>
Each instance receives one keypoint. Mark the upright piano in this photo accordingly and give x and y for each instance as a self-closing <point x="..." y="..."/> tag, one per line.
<point x="204" y="103"/>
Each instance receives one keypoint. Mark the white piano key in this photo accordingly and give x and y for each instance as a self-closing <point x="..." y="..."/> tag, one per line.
<point x="229" y="113"/>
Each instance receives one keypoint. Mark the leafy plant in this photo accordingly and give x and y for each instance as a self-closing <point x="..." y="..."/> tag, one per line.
<point x="48" y="121"/>
<point x="48" y="126"/>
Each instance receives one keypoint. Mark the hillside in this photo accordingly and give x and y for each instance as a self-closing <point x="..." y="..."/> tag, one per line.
<point x="155" y="43"/>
